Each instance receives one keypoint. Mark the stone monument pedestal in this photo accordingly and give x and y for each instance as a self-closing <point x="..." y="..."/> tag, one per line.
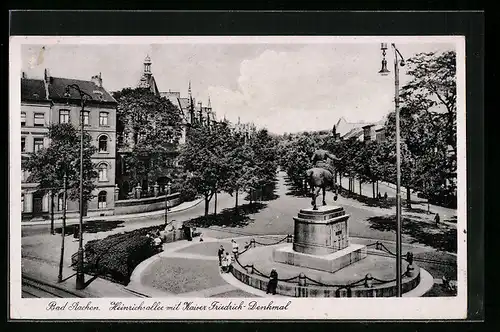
<point x="321" y="241"/>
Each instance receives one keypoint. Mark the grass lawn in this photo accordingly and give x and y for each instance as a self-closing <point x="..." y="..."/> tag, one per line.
<point x="235" y="293"/>
<point x="179" y="275"/>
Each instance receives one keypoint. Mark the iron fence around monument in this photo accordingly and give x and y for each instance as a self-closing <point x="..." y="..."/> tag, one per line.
<point x="297" y="279"/>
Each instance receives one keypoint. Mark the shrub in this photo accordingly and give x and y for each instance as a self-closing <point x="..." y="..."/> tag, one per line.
<point x="116" y="256"/>
<point x="186" y="191"/>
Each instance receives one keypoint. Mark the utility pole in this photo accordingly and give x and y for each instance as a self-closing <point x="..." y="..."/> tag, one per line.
<point x="80" y="276"/>
<point x="63" y="231"/>
<point x="167" y="193"/>
<point x="398" y="61"/>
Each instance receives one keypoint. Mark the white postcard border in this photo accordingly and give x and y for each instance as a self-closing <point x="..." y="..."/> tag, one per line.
<point x="298" y="308"/>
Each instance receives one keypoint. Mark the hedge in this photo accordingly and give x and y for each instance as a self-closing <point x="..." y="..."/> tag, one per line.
<point x="116" y="256"/>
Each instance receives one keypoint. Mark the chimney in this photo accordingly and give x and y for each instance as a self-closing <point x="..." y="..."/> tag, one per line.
<point x="47" y="76"/>
<point x="23" y="74"/>
<point x="97" y="80"/>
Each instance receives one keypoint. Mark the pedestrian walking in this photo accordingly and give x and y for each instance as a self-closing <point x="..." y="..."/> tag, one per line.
<point x="220" y="253"/>
<point x="235" y="247"/>
<point x="437" y="219"/>
<point x="273" y="282"/>
<point x="385" y="196"/>
<point x="379" y="196"/>
<point x="226" y="263"/>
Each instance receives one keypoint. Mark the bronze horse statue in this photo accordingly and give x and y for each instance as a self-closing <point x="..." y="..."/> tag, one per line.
<point x="322" y="176"/>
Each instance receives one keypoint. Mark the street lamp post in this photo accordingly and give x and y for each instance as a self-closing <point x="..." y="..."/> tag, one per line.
<point x="80" y="276"/>
<point x="398" y="61"/>
<point x="167" y="192"/>
<point x="63" y="231"/>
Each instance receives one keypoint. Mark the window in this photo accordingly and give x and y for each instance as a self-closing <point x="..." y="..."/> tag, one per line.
<point x="63" y="116"/>
<point x="23" y="175"/>
<point x="22" y="202"/>
<point x="39" y="120"/>
<point x="103" y="172"/>
<point x="103" y="144"/>
<point x="37" y="144"/>
<point x="23" y="144"/>
<point x="23" y="119"/>
<point x="101" y="200"/>
<point x="86" y="115"/>
<point x="103" y="118"/>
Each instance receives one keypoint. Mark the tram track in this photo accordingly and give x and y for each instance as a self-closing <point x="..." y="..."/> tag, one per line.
<point x="33" y="288"/>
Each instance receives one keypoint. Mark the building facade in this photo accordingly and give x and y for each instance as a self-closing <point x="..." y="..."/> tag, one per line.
<point x="191" y="112"/>
<point x="44" y="102"/>
<point x="364" y="132"/>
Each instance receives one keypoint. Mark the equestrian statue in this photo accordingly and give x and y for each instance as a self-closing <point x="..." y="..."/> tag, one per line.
<point x="322" y="175"/>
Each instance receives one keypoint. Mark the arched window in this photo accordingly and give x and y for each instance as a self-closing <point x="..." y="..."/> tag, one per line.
<point x="22" y="202"/>
<point x="101" y="203"/>
<point x="103" y="143"/>
<point x="103" y="172"/>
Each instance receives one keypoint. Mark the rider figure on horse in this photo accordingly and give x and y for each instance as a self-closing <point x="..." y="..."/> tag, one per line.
<point x="322" y="175"/>
<point x="320" y="159"/>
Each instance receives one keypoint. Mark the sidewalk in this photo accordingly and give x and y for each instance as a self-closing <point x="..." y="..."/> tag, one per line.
<point x="70" y="221"/>
<point x="446" y="213"/>
<point x="47" y="273"/>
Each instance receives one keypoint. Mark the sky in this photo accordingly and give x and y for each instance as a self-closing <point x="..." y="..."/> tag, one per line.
<point x="281" y="86"/>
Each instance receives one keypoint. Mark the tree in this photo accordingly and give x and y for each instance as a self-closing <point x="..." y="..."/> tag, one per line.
<point x="240" y="163"/>
<point x="264" y="156"/>
<point x="432" y="88"/>
<point x="204" y="157"/>
<point x="148" y="128"/>
<point x="296" y="155"/>
<point x="48" y="166"/>
<point x="428" y="124"/>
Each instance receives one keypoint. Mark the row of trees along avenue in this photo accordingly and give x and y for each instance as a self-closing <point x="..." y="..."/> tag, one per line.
<point x="428" y="138"/>
<point x="219" y="158"/>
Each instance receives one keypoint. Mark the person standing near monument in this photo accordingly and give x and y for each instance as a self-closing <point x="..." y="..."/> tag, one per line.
<point x="437" y="219"/>
<point x="235" y="247"/>
<point x="220" y="253"/>
<point x="273" y="282"/>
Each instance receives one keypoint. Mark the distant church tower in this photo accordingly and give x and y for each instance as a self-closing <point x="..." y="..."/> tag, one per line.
<point x="147" y="80"/>
<point x="147" y="66"/>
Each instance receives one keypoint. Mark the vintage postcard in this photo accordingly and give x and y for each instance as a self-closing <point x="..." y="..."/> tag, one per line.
<point x="175" y="178"/>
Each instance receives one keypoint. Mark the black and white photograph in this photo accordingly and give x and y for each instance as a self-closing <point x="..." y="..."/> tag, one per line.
<point x="238" y="177"/>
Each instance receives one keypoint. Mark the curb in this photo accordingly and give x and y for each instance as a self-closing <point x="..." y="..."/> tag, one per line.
<point x="112" y="217"/>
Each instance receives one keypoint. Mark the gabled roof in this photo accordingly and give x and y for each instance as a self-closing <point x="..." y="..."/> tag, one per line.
<point x="355" y="132"/>
<point x="33" y="89"/>
<point x="57" y="89"/>
<point x="184" y="103"/>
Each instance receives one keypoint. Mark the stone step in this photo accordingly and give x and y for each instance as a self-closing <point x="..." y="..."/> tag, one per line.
<point x="321" y="216"/>
<point x="334" y="220"/>
<point x="327" y="209"/>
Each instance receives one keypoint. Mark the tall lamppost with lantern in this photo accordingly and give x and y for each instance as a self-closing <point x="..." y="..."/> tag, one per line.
<point x="398" y="61"/>
<point x="168" y="187"/>
<point x="80" y="276"/>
